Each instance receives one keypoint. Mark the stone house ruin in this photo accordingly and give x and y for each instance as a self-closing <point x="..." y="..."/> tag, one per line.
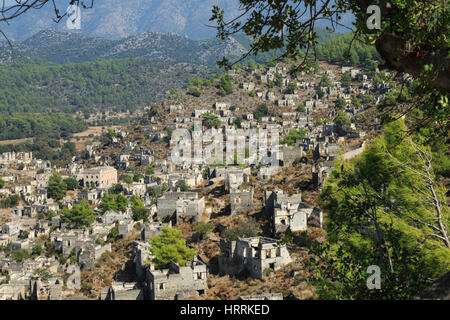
<point x="254" y="255"/>
<point x="177" y="282"/>
<point x="180" y="205"/>
<point x="290" y="212"/>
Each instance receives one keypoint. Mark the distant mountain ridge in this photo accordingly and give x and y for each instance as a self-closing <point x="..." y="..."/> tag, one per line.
<point x="117" y="19"/>
<point x="64" y="47"/>
<point x="68" y="47"/>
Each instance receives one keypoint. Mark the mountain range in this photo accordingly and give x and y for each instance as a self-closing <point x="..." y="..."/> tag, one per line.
<point x="68" y="47"/>
<point x="117" y="19"/>
<point x="64" y="47"/>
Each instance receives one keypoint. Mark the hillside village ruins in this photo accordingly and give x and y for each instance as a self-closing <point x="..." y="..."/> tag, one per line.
<point x="179" y="194"/>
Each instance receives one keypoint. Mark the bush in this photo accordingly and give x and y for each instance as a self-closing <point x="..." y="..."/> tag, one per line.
<point x="267" y="271"/>
<point x="247" y="229"/>
<point x="113" y="235"/>
<point x="203" y="228"/>
<point x="20" y="255"/>
<point x="71" y="183"/>
<point x="37" y="250"/>
<point x="194" y="92"/>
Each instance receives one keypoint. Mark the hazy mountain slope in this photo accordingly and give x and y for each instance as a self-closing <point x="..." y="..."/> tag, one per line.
<point x="116" y="19"/>
<point x="63" y="47"/>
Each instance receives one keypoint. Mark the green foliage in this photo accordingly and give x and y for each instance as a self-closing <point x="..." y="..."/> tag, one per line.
<point x="120" y="84"/>
<point x="341" y="103"/>
<point x="80" y="216"/>
<point x="140" y="212"/>
<point x="2" y="183"/>
<point x="46" y="125"/>
<point x="137" y="177"/>
<point x="20" y="255"/>
<point x="113" y="234"/>
<point x="127" y="179"/>
<point x="261" y="111"/>
<point x="24" y="235"/>
<point x="56" y="189"/>
<point x="181" y="184"/>
<point x="346" y="79"/>
<point x="237" y="123"/>
<point x="149" y="170"/>
<point x="246" y="229"/>
<point x="210" y="120"/>
<point x="225" y="86"/>
<point x="42" y="273"/>
<point x="203" y="228"/>
<point x="342" y="120"/>
<point x="10" y="201"/>
<point x="194" y="92"/>
<point x="71" y="183"/>
<point x="170" y="246"/>
<point x="116" y="189"/>
<point x="301" y="107"/>
<point x="37" y="250"/>
<point x="293" y="135"/>
<point x="112" y="201"/>
<point x="321" y="121"/>
<point x="292" y="86"/>
<point x="380" y="208"/>
<point x="325" y="81"/>
<point x="355" y="102"/>
<point x="157" y="191"/>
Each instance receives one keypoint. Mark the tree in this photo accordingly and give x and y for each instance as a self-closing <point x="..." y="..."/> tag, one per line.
<point x="80" y="216"/>
<point x="157" y="191"/>
<point x="113" y="233"/>
<point x="182" y="185"/>
<point x="325" y="81"/>
<point x="127" y="179"/>
<point x="2" y="183"/>
<point x="168" y="247"/>
<point x="56" y="189"/>
<point x="203" y="228"/>
<point x="37" y="250"/>
<point x="71" y="183"/>
<point x="24" y="235"/>
<point x="194" y="92"/>
<point x="150" y="170"/>
<point x="117" y="188"/>
<point x="111" y="201"/>
<point x="210" y="120"/>
<point x="292" y="86"/>
<point x="225" y="85"/>
<point x="355" y="102"/>
<point x="346" y="80"/>
<point x="385" y="208"/>
<point x="247" y="229"/>
<point x="20" y="255"/>
<point x="137" y="177"/>
<point x="301" y="107"/>
<point x="261" y="111"/>
<point x="341" y="103"/>
<point x="293" y="136"/>
<point x="140" y="212"/>
<point x="342" y="120"/>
